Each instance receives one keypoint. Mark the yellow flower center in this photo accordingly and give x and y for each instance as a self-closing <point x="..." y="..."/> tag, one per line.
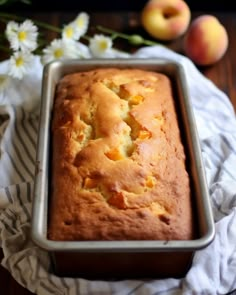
<point x="58" y="53"/>
<point x="69" y="32"/>
<point x="19" y="61"/>
<point x="80" y="22"/>
<point x="103" y="45"/>
<point x="22" y="36"/>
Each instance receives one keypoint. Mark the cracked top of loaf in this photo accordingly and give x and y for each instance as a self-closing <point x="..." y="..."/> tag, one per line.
<point x="118" y="163"/>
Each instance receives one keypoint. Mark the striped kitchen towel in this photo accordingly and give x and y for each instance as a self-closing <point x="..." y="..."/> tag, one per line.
<point x="214" y="268"/>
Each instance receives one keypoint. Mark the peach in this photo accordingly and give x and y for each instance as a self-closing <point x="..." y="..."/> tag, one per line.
<point x="206" y="41"/>
<point x="165" y="19"/>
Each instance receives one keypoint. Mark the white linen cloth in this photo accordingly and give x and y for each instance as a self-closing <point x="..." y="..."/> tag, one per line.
<point x="214" y="268"/>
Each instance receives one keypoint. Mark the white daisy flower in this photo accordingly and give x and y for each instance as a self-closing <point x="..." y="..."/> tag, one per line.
<point x="19" y="63"/>
<point x="22" y="37"/>
<point x="70" y="32"/>
<point x="11" y="30"/>
<point x="82" y="50"/>
<point x="81" y="23"/>
<point x="100" y="45"/>
<point x="59" y="49"/>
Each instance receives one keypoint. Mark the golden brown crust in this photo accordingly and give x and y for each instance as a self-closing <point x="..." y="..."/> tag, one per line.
<point x="118" y="168"/>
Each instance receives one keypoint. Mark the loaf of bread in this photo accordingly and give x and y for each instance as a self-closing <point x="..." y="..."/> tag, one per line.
<point x="118" y="161"/>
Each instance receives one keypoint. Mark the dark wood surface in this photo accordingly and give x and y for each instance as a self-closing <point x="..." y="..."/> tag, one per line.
<point x="222" y="74"/>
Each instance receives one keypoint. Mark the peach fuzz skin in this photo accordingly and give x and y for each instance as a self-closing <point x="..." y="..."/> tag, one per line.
<point x="206" y="40"/>
<point x="166" y="19"/>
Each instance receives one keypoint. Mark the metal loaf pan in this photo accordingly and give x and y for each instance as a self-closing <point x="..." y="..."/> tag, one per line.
<point x="121" y="259"/>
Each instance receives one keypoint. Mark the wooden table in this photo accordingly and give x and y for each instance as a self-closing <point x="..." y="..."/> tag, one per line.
<point x="222" y="74"/>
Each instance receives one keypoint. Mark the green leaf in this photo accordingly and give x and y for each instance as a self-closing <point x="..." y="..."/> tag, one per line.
<point x="2" y="2"/>
<point x="28" y="2"/>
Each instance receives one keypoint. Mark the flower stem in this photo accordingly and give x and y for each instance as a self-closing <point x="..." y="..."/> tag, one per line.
<point x="114" y="34"/>
<point x="38" y="23"/>
<point x="3" y="48"/>
<point x="85" y="37"/>
<point x="133" y="39"/>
